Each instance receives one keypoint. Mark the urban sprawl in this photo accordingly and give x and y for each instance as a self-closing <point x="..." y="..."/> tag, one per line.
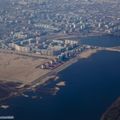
<point x="36" y="27"/>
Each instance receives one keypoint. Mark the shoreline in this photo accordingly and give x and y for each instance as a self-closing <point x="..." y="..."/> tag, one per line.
<point x="50" y="76"/>
<point x="113" y="111"/>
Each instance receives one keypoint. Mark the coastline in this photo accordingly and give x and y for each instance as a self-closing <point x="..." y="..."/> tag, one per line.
<point x="50" y="76"/>
<point x="53" y="74"/>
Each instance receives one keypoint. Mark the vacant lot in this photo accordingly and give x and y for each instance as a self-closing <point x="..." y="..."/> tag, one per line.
<point x="20" y="68"/>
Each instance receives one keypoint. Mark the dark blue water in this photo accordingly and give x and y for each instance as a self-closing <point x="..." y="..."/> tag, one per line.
<point x="103" y="41"/>
<point x="92" y="85"/>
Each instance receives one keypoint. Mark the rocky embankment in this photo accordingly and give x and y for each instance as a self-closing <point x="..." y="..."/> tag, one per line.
<point x="7" y="89"/>
<point x="113" y="113"/>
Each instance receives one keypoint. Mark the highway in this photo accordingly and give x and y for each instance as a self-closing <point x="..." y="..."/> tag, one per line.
<point x="112" y="49"/>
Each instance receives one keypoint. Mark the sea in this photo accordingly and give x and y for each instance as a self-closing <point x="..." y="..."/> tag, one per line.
<point x="92" y="85"/>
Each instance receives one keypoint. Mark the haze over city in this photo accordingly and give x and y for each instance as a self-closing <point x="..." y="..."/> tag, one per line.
<point x="59" y="59"/>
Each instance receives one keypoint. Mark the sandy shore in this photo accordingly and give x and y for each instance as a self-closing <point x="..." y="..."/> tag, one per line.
<point x="23" y="69"/>
<point x="19" y="68"/>
<point x="88" y="53"/>
<point x="85" y="54"/>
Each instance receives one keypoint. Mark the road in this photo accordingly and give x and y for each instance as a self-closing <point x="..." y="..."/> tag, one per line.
<point x="114" y="49"/>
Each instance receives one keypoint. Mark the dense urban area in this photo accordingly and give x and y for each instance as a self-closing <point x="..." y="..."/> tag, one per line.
<point x="34" y="20"/>
<point x="37" y="38"/>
